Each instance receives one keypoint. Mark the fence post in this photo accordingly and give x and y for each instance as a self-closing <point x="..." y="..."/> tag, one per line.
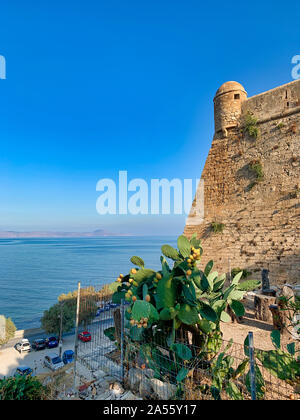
<point x="76" y="337"/>
<point x="252" y="366"/>
<point x="122" y="338"/>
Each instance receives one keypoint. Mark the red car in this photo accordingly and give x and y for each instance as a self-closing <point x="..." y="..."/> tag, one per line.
<point x="85" y="336"/>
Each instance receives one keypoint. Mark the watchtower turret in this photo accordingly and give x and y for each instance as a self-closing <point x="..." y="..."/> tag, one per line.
<point x="228" y="107"/>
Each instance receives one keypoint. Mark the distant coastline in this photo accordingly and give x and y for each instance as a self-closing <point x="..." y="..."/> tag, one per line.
<point x="45" y="234"/>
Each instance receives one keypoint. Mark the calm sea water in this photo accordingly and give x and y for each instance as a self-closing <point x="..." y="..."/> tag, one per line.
<point x="34" y="272"/>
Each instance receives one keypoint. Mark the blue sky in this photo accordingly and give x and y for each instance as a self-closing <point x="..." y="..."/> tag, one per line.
<point x="94" y="87"/>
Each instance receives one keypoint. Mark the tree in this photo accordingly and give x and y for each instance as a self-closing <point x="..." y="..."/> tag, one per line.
<point x="88" y="303"/>
<point x="10" y="330"/>
<point x="51" y="319"/>
<point x="87" y="311"/>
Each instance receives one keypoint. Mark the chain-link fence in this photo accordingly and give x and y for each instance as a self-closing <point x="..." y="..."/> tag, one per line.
<point x="179" y="368"/>
<point x="98" y="316"/>
<point x="185" y="371"/>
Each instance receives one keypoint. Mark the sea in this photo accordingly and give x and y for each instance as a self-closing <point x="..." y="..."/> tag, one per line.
<point x="34" y="272"/>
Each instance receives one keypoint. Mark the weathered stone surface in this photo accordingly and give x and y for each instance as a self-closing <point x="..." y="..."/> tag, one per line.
<point x="163" y="390"/>
<point x="282" y="318"/>
<point x="110" y="379"/>
<point x="134" y="378"/>
<point x="116" y="388"/>
<point x="288" y="293"/>
<point x="145" y="388"/>
<point x="128" y="396"/>
<point x="261" y="219"/>
<point x="261" y="307"/>
<point x="98" y="374"/>
<point x="102" y="384"/>
<point x="84" y="372"/>
<point x="107" y="395"/>
<point x="149" y="373"/>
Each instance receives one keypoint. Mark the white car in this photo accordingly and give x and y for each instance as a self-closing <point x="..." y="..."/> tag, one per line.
<point x="53" y="361"/>
<point x="24" y="345"/>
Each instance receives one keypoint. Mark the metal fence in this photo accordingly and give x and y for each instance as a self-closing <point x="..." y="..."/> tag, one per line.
<point x="100" y="353"/>
<point x="156" y="369"/>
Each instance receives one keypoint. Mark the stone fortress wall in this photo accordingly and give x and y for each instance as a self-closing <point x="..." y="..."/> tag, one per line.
<point x="260" y="218"/>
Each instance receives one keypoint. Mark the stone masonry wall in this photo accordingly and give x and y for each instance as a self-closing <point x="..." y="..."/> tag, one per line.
<point x="262" y="221"/>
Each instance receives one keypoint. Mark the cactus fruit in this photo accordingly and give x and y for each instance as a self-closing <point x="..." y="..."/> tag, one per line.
<point x="181" y="296"/>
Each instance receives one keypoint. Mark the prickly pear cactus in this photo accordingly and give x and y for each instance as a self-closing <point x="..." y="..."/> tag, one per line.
<point x="183" y="296"/>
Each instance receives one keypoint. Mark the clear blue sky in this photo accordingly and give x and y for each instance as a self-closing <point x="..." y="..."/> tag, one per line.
<point x="94" y="87"/>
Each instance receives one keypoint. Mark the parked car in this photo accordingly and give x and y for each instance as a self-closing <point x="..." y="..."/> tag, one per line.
<point x="51" y="342"/>
<point x="38" y="344"/>
<point x="68" y="356"/>
<point x="53" y="361"/>
<point x="85" y="336"/>
<point x="23" y="371"/>
<point x="24" y="345"/>
<point x="99" y="311"/>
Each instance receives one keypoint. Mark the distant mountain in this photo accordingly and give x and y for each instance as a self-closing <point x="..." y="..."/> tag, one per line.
<point x="41" y="234"/>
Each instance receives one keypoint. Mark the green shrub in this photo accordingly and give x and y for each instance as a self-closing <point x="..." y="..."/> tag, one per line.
<point x="10" y="330"/>
<point x="250" y="125"/>
<point x="257" y="169"/>
<point x="22" y="388"/>
<point x="280" y="125"/>
<point x="217" y="227"/>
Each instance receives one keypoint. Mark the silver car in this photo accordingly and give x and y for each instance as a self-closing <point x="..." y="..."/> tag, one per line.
<point x="53" y="361"/>
<point x="24" y="345"/>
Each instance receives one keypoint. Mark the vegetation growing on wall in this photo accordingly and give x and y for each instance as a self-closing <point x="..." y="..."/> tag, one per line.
<point x="217" y="227"/>
<point x="250" y="125"/>
<point x="256" y="168"/>
<point x="280" y="125"/>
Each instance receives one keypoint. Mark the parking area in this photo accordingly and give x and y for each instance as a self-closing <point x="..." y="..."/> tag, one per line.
<point x="10" y="358"/>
